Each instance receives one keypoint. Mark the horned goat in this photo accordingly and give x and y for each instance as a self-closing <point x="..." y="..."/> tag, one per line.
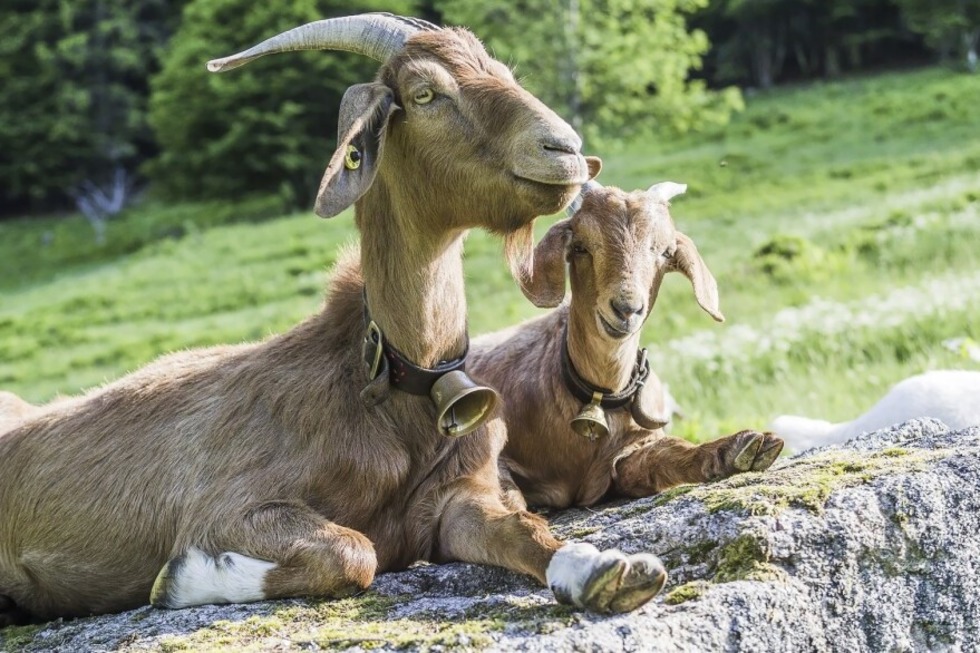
<point x="951" y="396"/>
<point x="616" y="247"/>
<point x="259" y="471"/>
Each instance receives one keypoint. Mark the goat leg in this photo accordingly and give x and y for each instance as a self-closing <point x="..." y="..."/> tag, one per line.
<point x="278" y="550"/>
<point x="660" y="462"/>
<point x="477" y="527"/>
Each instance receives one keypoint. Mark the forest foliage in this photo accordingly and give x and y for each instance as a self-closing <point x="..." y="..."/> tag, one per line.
<point x="105" y="100"/>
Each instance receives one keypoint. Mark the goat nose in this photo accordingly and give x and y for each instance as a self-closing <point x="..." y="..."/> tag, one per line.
<point x="624" y="309"/>
<point x="566" y="145"/>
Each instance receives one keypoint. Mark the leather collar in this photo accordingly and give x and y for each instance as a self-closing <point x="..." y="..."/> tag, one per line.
<point x="403" y="374"/>
<point x="585" y="391"/>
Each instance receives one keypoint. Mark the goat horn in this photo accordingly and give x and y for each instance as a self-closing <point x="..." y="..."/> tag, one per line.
<point x="587" y="188"/>
<point x="378" y="36"/>
<point x="666" y="190"/>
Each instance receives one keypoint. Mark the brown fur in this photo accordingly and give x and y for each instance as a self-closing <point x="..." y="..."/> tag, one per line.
<point x="266" y="449"/>
<point x="614" y="247"/>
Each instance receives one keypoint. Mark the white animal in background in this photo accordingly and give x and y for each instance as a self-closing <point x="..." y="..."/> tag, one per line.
<point x="951" y="396"/>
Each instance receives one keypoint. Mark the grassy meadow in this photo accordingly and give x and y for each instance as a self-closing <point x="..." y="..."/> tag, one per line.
<point x="842" y="221"/>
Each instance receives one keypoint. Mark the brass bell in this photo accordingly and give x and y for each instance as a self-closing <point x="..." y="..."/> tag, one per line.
<point x="461" y="405"/>
<point x="591" y="421"/>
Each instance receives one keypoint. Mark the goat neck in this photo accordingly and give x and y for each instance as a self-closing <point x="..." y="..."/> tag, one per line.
<point x="603" y="362"/>
<point x="413" y="274"/>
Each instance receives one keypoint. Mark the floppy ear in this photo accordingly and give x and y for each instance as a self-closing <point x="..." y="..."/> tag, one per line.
<point x="689" y="261"/>
<point x="546" y="287"/>
<point x="364" y="113"/>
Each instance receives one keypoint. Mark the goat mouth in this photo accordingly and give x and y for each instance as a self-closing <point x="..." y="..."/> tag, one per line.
<point x="612" y="331"/>
<point x="549" y="183"/>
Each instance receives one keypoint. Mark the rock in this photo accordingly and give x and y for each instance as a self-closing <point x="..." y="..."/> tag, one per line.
<point x="870" y="545"/>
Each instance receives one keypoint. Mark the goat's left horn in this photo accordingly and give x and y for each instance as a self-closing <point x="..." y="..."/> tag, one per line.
<point x="379" y="36"/>
<point x="587" y="188"/>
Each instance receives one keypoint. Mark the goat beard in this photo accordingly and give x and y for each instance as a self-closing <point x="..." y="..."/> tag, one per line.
<point x="519" y="252"/>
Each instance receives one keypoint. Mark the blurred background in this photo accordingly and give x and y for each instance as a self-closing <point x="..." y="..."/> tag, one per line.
<point x="831" y="148"/>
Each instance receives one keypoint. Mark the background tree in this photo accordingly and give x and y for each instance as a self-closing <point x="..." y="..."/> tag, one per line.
<point x="269" y="127"/>
<point x="611" y="67"/>
<point x="763" y="42"/>
<point x="952" y="27"/>
<point x="73" y="97"/>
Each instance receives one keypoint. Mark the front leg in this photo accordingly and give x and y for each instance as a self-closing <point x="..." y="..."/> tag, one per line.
<point x="273" y="550"/>
<point x="659" y="462"/>
<point x="476" y="527"/>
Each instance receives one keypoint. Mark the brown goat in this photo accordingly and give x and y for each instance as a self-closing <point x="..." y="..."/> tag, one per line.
<point x="257" y="471"/>
<point x="618" y="247"/>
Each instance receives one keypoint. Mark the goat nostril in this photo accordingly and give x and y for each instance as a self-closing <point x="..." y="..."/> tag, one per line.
<point x="562" y="146"/>
<point x="624" y="310"/>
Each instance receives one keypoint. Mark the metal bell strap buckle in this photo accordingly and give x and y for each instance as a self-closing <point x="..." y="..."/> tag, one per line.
<point x="642" y="370"/>
<point x="373" y="350"/>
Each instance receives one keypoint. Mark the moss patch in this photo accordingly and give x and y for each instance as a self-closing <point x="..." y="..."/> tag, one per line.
<point x="14" y="638"/>
<point x="365" y="622"/>
<point x="686" y="592"/>
<point x="745" y="558"/>
<point x="806" y="483"/>
<point x="360" y="621"/>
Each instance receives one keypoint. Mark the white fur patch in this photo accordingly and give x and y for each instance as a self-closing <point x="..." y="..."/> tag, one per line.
<point x="572" y="565"/>
<point x="229" y="578"/>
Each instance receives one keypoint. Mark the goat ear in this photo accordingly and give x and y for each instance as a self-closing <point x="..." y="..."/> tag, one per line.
<point x="595" y="166"/>
<point x="364" y="113"/>
<point x="689" y="261"/>
<point x="546" y="287"/>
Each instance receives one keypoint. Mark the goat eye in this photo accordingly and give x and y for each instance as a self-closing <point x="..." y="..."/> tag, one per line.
<point x="424" y="96"/>
<point x="352" y="160"/>
<point x="579" y="249"/>
<point x="669" y="252"/>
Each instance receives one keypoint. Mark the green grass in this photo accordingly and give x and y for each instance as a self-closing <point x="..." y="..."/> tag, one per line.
<point x="842" y="221"/>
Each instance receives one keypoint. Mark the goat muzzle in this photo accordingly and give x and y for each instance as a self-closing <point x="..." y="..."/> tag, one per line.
<point x="462" y="405"/>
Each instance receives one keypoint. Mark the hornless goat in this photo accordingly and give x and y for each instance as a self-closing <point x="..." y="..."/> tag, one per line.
<point x="617" y="248"/>
<point x="259" y="471"/>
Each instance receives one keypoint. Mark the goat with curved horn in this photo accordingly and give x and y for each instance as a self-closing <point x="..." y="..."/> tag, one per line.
<point x="377" y="36"/>
<point x="304" y="464"/>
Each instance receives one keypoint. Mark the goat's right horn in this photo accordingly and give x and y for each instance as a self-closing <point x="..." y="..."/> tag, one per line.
<point x="378" y="36"/>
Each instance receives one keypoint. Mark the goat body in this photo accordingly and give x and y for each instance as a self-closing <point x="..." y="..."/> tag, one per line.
<point x="951" y="396"/>
<point x="256" y="471"/>
<point x="617" y="247"/>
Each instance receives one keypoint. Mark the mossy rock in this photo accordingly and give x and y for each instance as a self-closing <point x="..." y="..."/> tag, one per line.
<point x="804" y="483"/>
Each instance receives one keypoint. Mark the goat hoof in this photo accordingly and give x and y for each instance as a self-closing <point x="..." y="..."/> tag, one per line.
<point x="746" y="456"/>
<point x="643" y="581"/>
<point x="771" y="447"/>
<point x="604" y="582"/>
<point x="161" y="596"/>
<point x="607" y="581"/>
<point x="623" y="583"/>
